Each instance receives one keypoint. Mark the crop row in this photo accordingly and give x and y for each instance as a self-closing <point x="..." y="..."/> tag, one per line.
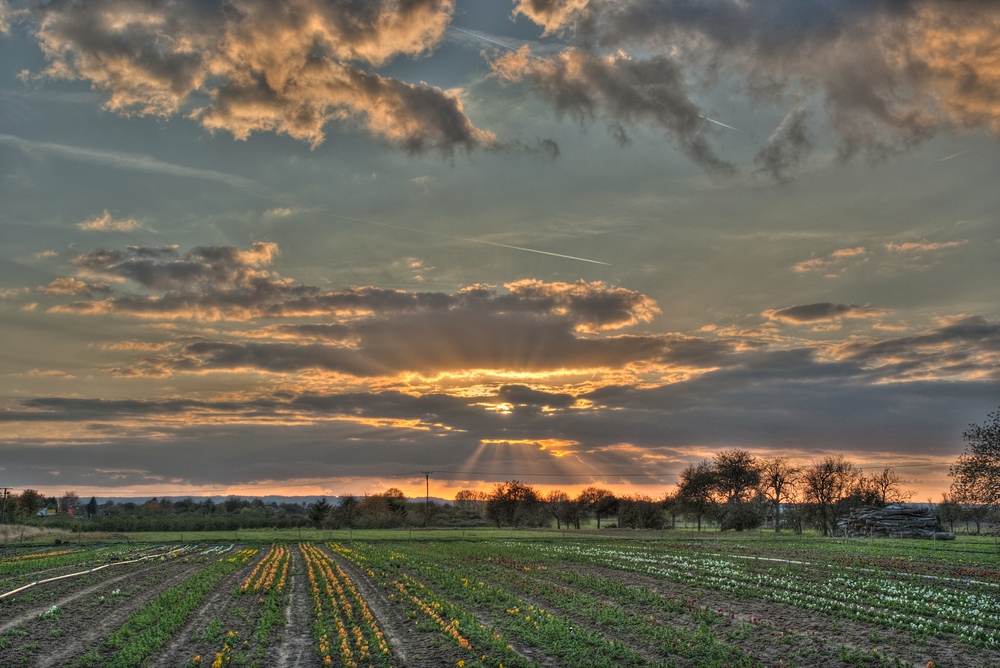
<point x="343" y="624"/>
<point x="271" y="572"/>
<point x="482" y="645"/>
<point x="921" y="609"/>
<point x="147" y="629"/>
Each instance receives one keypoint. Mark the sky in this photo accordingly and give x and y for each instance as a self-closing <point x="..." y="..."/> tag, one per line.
<point x="315" y="247"/>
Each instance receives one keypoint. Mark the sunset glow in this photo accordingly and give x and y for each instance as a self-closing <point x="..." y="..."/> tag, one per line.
<point x="314" y="248"/>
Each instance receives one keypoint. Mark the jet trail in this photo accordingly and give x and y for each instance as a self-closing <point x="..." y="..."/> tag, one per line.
<point x="955" y="155"/>
<point x="514" y="48"/>
<point x="473" y="241"/>
<point x="485" y="38"/>
<point x="712" y="120"/>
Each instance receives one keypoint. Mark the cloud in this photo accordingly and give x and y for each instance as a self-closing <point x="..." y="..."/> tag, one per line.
<point x="290" y="68"/>
<point x="921" y="246"/>
<point x="5" y="17"/>
<point x="72" y="286"/>
<point x="821" y="312"/>
<point x="13" y="293"/>
<point x="44" y="255"/>
<point x="826" y="264"/>
<point x="619" y="90"/>
<point x="891" y="74"/>
<point x="105" y="223"/>
<point x="968" y="348"/>
<point x="226" y="283"/>
<point x="787" y="148"/>
<point x="131" y="162"/>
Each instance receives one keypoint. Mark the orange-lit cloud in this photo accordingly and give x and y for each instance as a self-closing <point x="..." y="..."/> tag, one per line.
<point x="291" y="68"/>
<point x="105" y="223"/>
<point x="890" y="75"/>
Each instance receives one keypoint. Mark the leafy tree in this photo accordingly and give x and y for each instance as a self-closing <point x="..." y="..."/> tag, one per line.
<point x="737" y="481"/>
<point x="825" y="484"/>
<point x="30" y="502"/>
<point x="976" y="474"/>
<point x="471" y="501"/>
<point x="68" y="502"/>
<point x="348" y="509"/>
<point x="512" y="504"/>
<point x="600" y="502"/>
<point x="92" y="506"/>
<point x="639" y="512"/>
<point x="318" y="511"/>
<point x="778" y="484"/>
<point x="737" y="475"/>
<point x="695" y="489"/>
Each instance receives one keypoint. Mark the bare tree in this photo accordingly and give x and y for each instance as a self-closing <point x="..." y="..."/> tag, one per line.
<point x="779" y="484"/>
<point x="827" y="482"/>
<point x="883" y="489"/>
<point x="976" y="474"/>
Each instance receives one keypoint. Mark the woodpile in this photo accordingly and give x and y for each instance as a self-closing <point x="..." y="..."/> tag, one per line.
<point x="892" y="522"/>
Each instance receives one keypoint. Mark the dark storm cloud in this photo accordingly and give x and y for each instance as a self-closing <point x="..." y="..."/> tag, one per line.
<point x="291" y="67"/>
<point x="891" y="72"/>
<point x="821" y="312"/>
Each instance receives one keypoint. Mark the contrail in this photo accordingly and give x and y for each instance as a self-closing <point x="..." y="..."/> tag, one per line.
<point x="473" y="241"/>
<point x="132" y="162"/>
<point x="514" y="48"/>
<point x="490" y="40"/>
<point x="712" y="120"/>
<point x="954" y="155"/>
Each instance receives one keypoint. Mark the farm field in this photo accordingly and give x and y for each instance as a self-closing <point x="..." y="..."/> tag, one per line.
<point x="548" y="602"/>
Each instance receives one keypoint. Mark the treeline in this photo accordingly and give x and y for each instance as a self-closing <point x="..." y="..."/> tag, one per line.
<point x="153" y="515"/>
<point x="734" y="490"/>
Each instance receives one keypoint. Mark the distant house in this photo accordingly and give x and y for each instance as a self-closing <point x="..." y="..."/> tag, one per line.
<point x="45" y="512"/>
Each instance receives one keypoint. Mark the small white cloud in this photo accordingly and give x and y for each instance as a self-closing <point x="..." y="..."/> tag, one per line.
<point x="105" y="223"/>
<point x="46" y="254"/>
<point x="13" y="293"/>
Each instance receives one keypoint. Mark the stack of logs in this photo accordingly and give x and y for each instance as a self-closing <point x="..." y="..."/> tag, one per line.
<point x="892" y="522"/>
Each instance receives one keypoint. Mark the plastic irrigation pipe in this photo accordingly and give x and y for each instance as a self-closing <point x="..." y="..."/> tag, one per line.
<point x="86" y="572"/>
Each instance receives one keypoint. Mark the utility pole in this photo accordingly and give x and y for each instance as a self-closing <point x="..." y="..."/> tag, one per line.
<point x="427" y="497"/>
<point x="3" y="512"/>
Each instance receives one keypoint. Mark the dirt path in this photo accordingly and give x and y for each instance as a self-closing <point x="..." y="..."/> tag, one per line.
<point x="296" y="646"/>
